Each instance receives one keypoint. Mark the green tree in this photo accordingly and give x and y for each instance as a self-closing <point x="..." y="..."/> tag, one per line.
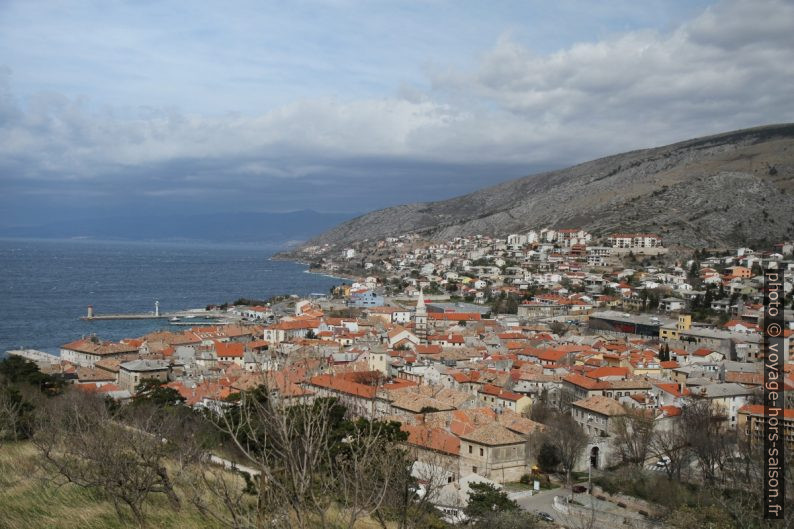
<point x="709" y="297"/>
<point x="152" y="391"/>
<point x="548" y="460"/>
<point x="485" y="499"/>
<point x="17" y="370"/>
<point x="664" y="352"/>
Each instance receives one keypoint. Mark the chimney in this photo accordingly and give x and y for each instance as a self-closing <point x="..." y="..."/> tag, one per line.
<point x="683" y="387"/>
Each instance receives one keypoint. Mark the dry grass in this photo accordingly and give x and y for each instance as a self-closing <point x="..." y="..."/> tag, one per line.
<point x="28" y="500"/>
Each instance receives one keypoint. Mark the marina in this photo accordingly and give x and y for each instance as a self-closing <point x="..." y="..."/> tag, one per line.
<point x="197" y="316"/>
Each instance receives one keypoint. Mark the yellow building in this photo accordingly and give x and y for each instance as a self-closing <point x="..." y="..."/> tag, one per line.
<point x="670" y="332"/>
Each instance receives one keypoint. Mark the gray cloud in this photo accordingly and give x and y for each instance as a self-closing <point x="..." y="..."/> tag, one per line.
<point x="512" y="112"/>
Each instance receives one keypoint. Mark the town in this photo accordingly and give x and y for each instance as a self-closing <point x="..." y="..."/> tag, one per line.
<point x="543" y="364"/>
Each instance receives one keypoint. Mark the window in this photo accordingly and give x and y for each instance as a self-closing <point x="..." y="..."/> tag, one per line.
<point x="474" y="469"/>
<point x="470" y="449"/>
<point x="482" y="452"/>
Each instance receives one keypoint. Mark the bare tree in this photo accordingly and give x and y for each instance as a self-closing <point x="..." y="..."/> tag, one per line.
<point x="226" y="495"/>
<point x="633" y="435"/>
<point x="740" y="495"/>
<point x="670" y="444"/>
<point x="314" y="467"/>
<point x="419" y="485"/>
<point x="581" y="518"/>
<point x="569" y="440"/>
<point x="82" y="442"/>
<point x="15" y="414"/>
<point x="708" y="439"/>
<point x="289" y="449"/>
<point x="366" y="466"/>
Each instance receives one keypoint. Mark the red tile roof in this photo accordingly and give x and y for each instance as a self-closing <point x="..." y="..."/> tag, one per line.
<point x="428" y="349"/>
<point x="673" y="389"/>
<point x="584" y="382"/>
<point x="342" y="384"/>
<point x="758" y="410"/>
<point x="496" y="391"/>
<point x="702" y="352"/>
<point x="432" y="438"/>
<point x="602" y="372"/>
<point x="229" y="349"/>
<point x="454" y="316"/>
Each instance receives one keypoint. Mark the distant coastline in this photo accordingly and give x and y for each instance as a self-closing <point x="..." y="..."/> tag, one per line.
<point x="271" y="248"/>
<point x="317" y="271"/>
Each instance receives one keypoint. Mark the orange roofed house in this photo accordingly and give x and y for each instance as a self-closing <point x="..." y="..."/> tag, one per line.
<point x="356" y="389"/>
<point x="286" y="330"/>
<point x="88" y="351"/>
<point x="495" y="396"/>
<point x="751" y="421"/>
<point x="479" y="441"/>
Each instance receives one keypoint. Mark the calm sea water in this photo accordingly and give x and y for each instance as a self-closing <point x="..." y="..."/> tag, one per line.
<point x="45" y="286"/>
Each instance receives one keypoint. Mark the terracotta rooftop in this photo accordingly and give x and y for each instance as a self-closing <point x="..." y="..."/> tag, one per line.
<point x="758" y="410"/>
<point x="584" y="382"/>
<point x="496" y="391"/>
<point x="603" y="372"/>
<point x="432" y="438"/>
<point x="99" y="348"/>
<point x="673" y="389"/>
<point x="342" y="384"/>
<point x="493" y="434"/>
<point x="601" y="405"/>
<point x="229" y="349"/>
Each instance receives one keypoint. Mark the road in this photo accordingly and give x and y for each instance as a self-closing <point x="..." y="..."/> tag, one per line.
<point x="541" y="501"/>
<point x="607" y="516"/>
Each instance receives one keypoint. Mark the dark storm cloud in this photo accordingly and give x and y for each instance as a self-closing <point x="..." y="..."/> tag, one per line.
<point x="509" y="113"/>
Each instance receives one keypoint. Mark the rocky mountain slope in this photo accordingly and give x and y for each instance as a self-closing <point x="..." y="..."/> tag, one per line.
<point x="727" y="189"/>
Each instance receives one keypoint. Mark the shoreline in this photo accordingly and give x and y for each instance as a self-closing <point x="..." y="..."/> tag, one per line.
<point x="250" y="276"/>
<point x="316" y="271"/>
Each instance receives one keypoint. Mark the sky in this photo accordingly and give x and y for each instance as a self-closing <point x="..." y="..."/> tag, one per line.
<point x="114" y="107"/>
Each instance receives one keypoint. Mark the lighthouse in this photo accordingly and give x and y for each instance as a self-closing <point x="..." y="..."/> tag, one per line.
<point x="157" y="308"/>
<point x="90" y="314"/>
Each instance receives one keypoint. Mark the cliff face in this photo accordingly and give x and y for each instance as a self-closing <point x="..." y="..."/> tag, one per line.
<point x="728" y="189"/>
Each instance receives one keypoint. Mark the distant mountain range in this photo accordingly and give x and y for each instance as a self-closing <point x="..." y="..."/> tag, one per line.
<point x="273" y="229"/>
<point x="728" y="189"/>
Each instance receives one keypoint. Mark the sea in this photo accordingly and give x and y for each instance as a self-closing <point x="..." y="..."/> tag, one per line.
<point x="46" y="286"/>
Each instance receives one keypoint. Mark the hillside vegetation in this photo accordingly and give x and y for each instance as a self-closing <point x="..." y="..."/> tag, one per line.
<point x="29" y="499"/>
<point x="730" y="189"/>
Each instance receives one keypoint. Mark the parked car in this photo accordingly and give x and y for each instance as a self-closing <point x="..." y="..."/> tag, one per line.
<point x="579" y="488"/>
<point x="663" y="462"/>
<point x="545" y="516"/>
